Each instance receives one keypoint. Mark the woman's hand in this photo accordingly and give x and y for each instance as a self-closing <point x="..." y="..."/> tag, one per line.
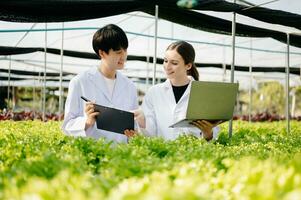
<point x="130" y="133"/>
<point x="91" y="114"/>
<point x="206" y="128"/>
<point x="139" y="117"/>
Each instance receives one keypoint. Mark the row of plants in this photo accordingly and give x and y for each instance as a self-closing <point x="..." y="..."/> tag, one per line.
<point x="29" y="115"/>
<point x="265" y="117"/>
<point x="260" y="161"/>
<point x="33" y="115"/>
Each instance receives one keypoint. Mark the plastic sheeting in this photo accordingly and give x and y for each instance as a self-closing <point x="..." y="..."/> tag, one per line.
<point x="56" y="11"/>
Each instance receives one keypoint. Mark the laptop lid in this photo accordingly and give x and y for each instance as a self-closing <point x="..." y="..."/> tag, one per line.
<point x="212" y="101"/>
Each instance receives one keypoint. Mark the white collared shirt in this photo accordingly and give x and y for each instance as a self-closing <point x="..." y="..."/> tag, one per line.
<point x="161" y="111"/>
<point x="91" y="84"/>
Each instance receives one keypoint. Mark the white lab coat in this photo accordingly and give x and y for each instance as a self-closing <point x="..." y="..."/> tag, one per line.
<point x="91" y="84"/>
<point x="161" y="110"/>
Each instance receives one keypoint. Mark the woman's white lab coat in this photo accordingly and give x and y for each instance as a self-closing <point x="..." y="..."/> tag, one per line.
<point x="161" y="110"/>
<point x="91" y="84"/>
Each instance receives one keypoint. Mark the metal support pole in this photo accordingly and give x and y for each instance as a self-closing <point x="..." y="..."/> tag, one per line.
<point x="293" y="103"/>
<point x="155" y="45"/>
<point x="287" y="111"/>
<point x="61" y="76"/>
<point x="45" y="66"/>
<point x="233" y="60"/>
<point x="8" y="87"/>
<point x="251" y="82"/>
<point x="41" y="92"/>
<point x="147" y="61"/>
<point x="14" y="98"/>
<point x="34" y="95"/>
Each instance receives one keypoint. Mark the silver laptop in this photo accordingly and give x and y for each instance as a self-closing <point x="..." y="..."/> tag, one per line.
<point x="211" y="101"/>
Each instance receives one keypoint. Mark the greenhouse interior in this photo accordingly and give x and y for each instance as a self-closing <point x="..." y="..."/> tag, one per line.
<point x="254" y="154"/>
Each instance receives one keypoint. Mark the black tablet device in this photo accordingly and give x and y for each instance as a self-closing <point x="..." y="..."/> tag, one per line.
<point x="114" y="120"/>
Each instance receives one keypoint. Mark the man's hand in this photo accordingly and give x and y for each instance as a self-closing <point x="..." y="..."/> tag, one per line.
<point x="206" y="128"/>
<point x="91" y="114"/>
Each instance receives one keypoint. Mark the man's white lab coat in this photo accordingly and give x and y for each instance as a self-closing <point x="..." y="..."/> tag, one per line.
<point x="91" y="84"/>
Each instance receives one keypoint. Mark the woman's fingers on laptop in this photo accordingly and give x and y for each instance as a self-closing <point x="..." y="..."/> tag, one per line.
<point x="199" y="124"/>
<point x="203" y="124"/>
<point x="208" y="123"/>
<point x="212" y="124"/>
<point x="205" y="127"/>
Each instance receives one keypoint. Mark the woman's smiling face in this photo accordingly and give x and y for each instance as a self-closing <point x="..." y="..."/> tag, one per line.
<point x="174" y="65"/>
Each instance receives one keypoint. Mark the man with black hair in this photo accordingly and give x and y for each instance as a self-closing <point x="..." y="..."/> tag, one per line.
<point x="104" y="85"/>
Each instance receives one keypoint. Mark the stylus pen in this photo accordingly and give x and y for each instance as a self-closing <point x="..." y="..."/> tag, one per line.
<point x="85" y="99"/>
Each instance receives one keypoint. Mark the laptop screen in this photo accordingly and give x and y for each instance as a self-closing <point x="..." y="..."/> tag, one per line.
<point x="211" y="100"/>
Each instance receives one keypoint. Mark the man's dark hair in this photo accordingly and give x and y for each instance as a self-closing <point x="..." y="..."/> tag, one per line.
<point x="109" y="37"/>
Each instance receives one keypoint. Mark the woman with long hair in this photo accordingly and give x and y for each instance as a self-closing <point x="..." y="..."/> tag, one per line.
<point x="166" y="103"/>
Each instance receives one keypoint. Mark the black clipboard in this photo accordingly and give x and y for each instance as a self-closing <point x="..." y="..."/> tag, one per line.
<point x="114" y="120"/>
